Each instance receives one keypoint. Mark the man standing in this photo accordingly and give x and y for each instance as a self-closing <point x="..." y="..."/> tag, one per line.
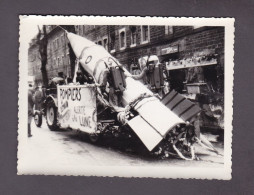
<point x="38" y="96"/>
<point x="154" y="75"/>
<point x="43" y="90"/>
<point x="30" y="109"/>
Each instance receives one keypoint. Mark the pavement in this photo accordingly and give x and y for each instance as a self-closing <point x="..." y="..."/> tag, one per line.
<point x="51" y="152"/>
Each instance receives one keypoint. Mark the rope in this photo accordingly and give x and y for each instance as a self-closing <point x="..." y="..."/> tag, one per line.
<point x="76" y="70"/>
<point x="181" y="155"/>
<point x="134" y="102"/>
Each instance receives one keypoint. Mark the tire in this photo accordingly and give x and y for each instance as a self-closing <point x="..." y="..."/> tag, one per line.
<point x="51" y="116"/>
<point x="38" y="119"/>
<point x="94" y="138"/>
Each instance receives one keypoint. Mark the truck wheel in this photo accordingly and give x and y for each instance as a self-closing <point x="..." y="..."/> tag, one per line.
<point x="38" y="119"/>
<point x="51" y="116"/>
<point x="94" y="138"/>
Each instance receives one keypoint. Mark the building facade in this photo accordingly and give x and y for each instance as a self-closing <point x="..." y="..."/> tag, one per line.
<point x="34" y="62"/>
<point x="58" y="52"/>
<point x="58" y="55"/>
<point x="169" y="43"/>
<point x="129" y="43"/>
<point x="184" y="50"/>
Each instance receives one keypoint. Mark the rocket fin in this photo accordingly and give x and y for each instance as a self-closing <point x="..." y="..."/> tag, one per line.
<point x="148" y="135"/>
<point x="158" y="116"/>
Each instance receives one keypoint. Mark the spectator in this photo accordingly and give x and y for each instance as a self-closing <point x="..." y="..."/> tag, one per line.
<point x="43" y="89"/>
<point x="30" y="109"/>
<point x="38" y="97"/>
<point x="152" y="77"/>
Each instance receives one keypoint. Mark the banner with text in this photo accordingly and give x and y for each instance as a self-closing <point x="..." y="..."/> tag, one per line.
<point x="77" y="107"/>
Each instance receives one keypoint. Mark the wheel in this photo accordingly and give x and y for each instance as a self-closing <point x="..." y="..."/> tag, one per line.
<point x="51" y="116"/>
<point x="94" y="137"/>
<point x="38" y="119"/>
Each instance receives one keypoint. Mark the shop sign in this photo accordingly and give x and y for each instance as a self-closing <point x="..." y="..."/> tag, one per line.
<point x="169" y="50"/>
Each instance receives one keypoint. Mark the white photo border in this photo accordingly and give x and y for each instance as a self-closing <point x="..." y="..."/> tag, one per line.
<point x="224" y="173"/>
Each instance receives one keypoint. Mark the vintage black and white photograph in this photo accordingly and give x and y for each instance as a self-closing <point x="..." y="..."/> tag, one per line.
<point x="126" y="96"/>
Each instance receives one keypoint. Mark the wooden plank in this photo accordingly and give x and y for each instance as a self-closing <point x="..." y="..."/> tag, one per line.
<point x="168" y="97"/>
<point x="177" y="99"/>
<point x="190" y="113"/>
<point x="182" y="107"/>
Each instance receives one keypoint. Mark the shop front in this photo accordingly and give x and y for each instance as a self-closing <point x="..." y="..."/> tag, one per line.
<point x="197" y="77"/>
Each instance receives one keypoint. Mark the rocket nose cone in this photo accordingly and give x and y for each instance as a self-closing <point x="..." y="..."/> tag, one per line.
<point x="78" y="43"/>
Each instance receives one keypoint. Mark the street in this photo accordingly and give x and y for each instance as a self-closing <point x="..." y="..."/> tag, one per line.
<point x="68" y="149"/>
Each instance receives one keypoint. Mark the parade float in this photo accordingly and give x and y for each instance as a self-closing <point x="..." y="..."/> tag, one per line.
<point x="164" y="125"/>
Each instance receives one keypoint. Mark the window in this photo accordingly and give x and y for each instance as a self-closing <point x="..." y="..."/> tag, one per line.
<point x="57" y="43"/>
<point x="122" y="39"/>
<point x="81" y="30"/>
<point x="133" y="36"/>
<point x="51" y="47"/>
<point x="99" y="42"/>
<point x="62" y="60"/>
<point x="84" y="29"/>
<point x="62" y="40"/>
<point x="168" y="30"/>
<point x="112" y="42"/>
<point x="48" y="49"/>
<point x="145" y="34"/>
<point x="105" y="43"/>
<point x="68" y="57"/>
<point x="58" y="61"/>
<point x="76" y="28"/>
<point x="39" y="67"/>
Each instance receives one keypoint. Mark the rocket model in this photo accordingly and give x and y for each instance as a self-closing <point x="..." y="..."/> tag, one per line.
<point x="154" y="119"/>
